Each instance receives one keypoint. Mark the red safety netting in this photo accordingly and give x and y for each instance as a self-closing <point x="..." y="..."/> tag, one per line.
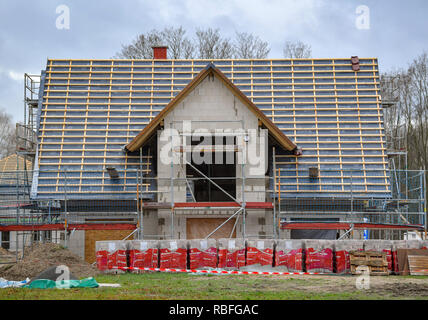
<point x="173" y="259"/>
<point x="262" y="257"/>
<point x="319" y="260"/>
<point x="234" y="259"/>
<point x="203" y="258"/>
<point x="143" y="258"/>
<point x="107" y="260"/>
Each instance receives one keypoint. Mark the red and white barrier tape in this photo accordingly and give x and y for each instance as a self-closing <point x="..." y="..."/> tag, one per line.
<point x="217" y="271"/>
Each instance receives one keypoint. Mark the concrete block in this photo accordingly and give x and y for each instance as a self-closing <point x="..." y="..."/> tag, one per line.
<point x="319" y="255"/>
<point x="111" y="255"/>
<point x="231" y="253"/>
<point x="143" y="253"/>
<point x="424" y="244"/>
<point x="414" y="244"/>
<point x="289" y="255"/>
<point x="203" y="253"/>
<point x="260" y="253"/>
<point x="173" y="254"/>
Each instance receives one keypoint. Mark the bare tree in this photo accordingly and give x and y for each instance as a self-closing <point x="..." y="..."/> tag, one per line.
<point x="207" y="44"/>
<point x="7" y="135"/>
<point x="141" y="47"/>
<point x="297" y="50"/>
<point x="406" y="120"/>
<point x="180" y="47"/>
<point x="210" y="45"/>
<point x="249" y="46"/>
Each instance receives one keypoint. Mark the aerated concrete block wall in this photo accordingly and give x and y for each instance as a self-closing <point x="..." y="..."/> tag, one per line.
<point x="218" y="104"/>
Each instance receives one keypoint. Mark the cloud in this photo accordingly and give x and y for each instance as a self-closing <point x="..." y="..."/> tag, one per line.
<point x="28" y="35"/>
<point x="17" y="76"/>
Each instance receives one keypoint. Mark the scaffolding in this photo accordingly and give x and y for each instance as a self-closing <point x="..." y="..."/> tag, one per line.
<point x="404" y="208"/>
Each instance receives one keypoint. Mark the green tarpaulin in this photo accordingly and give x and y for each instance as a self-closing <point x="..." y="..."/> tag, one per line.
<point x="62" y="284"/>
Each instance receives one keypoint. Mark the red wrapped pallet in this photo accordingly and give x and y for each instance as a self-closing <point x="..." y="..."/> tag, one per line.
<point x="319" y="255"/>
<point x="143" y="253"/>
<point x="173" y="254"/>
<point x="381" y="246"/>
<point x="341" y="253"/>
<point x="231" y="253"/>
<point x="424" y="244"/>
<point x="111" y="255"/>
<point x="289" y="255"/>
<point x="203" y="253"/>
<point x="260" y="252"/>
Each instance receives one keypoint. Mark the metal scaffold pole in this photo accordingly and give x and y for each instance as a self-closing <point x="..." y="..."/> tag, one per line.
<point x="140" y="200"/>
<point x="65" y="209"/>
<point x="243" y="202"/>
<point x="275" y="234"/>
<point x="172" y="189"/>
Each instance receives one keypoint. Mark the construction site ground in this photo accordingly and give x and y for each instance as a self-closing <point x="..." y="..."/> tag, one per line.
<point x="173" y="286"/>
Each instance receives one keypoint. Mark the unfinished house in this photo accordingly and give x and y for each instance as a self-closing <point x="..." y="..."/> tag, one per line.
<point x="253" y="148"/>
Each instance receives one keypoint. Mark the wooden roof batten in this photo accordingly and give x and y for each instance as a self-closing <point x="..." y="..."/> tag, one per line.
<point x="211" y="69"/>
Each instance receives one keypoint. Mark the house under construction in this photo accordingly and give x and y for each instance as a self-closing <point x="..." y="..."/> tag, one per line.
<point x="253" y="148"/>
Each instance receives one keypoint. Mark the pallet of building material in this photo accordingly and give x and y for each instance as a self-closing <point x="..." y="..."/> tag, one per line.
<point x="143" y="253"/>
<point x="260" y="252"/>
<point x="111" y="255"/>
<point x="397" y="245"/>
<point x="382" y="246"/>
<point x="342" y="263"/>
<point x="173" y="254"/>
<point x="403" y="260"/>
<point x="231" y="253"/>
<point x="418" y="265"/>
<point x="424" y="244"/>
<point x="203" y="253"/>
<point x="319" y="255"/>
<point x="413" y="244"/>
<point x="376" y="262"/>
<point x="289" y="255"/>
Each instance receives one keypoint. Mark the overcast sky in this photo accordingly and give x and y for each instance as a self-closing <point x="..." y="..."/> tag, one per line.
<point x="397" y="30"/>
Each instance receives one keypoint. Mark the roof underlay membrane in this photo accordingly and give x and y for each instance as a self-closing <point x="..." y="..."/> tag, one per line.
<point x="91" y="109"/>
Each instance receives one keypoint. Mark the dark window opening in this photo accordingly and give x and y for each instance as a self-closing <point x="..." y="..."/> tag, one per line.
<point x="223" y="174"/>
<point x="5" y="240"/>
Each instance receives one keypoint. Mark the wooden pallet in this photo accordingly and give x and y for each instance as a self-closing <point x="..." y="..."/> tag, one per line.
<point x="418" y="265"/>
<point x="376" y="262"/>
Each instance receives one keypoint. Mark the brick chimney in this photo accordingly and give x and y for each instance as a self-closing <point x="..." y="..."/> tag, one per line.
<point x="159" y="52"/>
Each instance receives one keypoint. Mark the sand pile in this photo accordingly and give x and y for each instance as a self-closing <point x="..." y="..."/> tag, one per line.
<point x="42" y="256"/>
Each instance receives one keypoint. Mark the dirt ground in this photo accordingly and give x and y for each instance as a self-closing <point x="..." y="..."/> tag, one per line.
<point x="392" y="286"/>
<point x="42" y="256"/>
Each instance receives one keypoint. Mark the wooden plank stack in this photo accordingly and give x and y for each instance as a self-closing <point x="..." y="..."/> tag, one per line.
<point x="376" y="262"/>
<point x="418" y="265"/>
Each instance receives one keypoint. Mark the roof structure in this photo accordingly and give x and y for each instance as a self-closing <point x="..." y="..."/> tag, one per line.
<point x="91" y="109"/>
<point x="12" y="168"/>
<point x="210" y="69"/>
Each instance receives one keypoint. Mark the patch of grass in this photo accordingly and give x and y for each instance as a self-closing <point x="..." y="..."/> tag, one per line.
<point x="202" y="287"/>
